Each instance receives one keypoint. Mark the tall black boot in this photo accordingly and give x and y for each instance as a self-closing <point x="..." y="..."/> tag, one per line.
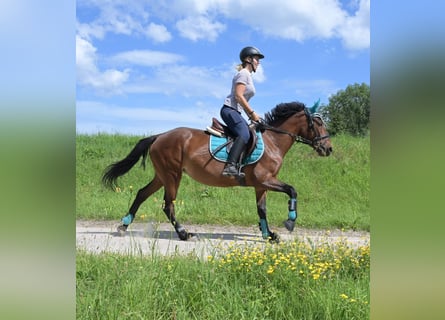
<point x="232" y="166"/>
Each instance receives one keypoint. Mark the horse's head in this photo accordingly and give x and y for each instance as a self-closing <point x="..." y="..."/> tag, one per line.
<point x="302" y="124"/>
<point x="314" y="133"/>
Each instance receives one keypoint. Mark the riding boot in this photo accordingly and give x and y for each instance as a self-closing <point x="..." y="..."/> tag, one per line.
<point x="234" y="160"/>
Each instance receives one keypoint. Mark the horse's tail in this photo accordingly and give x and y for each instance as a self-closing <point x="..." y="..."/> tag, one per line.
<point x="117" y="169"/>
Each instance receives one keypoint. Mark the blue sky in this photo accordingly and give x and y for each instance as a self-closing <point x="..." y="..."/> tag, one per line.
<point x="145" y="67"/>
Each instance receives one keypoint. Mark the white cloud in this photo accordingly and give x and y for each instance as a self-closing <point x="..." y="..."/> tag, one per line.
<point x="355" y="31"/>
<point x="128" y="17"/>
<point x="89" y="31"/>
<point x="158" y="33"/>
<point x="93" y="117"/>
<point x="196" y="20"/>
<point x="199" y="27"/>
<point x="108" y="81"/>
<point x="297" y="20"/>
<point x="292" y="19"/>
<point x="175" y="79"/>
<point x="184" y="80"/>
<point x="147" y="58"/>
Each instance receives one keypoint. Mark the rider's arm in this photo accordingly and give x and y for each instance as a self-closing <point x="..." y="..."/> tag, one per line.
<point x="239" y="96"/>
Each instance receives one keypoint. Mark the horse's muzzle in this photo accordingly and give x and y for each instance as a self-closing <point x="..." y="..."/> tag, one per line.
<point x="323" y="150"/>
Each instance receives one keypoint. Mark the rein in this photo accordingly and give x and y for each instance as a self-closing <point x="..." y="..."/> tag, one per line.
<point x="294" y="136"/>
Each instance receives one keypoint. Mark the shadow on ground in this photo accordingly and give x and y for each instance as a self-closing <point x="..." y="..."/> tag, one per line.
<point x="171" y="235"/>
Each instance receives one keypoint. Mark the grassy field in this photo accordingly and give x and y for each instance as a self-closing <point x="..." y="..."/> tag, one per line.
<point x="286" y="281"/>
<point x="333" y="192"/>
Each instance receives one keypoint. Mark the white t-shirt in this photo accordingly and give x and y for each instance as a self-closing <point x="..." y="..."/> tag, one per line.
<point x="245" y="77"/>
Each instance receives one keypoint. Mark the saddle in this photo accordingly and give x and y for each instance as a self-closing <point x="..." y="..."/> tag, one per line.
<point x="219" y="129"/>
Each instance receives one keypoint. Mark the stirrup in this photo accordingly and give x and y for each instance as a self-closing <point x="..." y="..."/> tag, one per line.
<point x="233" y="170"/>
<point x="240" y="174"/>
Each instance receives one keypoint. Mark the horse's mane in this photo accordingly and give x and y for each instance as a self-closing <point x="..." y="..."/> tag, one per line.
<point x="283" y="111"/>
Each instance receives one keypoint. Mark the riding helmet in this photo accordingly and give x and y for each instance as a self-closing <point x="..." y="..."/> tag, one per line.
<point x="248" y="52"/>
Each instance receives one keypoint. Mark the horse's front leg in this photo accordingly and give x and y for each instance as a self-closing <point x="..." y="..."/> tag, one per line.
<point x="292" y="207"/>
<point x="276" y="185"/>
<point x="262" y="213"/>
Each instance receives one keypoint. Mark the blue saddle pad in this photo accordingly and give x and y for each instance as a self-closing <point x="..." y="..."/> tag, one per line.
<point x="222" y="155"/>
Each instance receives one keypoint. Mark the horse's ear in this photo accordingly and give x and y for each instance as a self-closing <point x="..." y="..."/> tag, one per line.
<point x="315" y="107"/>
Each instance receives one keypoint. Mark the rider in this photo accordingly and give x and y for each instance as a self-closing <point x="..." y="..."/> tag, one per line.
<point x="237" y="101"/>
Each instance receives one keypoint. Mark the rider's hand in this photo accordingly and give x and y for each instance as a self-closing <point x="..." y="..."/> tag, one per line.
<point x="255" y="117"/>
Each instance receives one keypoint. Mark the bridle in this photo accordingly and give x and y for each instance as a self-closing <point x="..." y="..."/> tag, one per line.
<point x="310" y="119"/>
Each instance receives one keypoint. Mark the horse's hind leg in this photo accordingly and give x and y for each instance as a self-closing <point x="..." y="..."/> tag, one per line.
<point x="141" y="196"/>
<point x="171" y="189"/>
<point x="169" y="209"/>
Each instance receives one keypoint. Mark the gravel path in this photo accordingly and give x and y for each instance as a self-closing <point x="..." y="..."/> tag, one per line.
<point x="148" y="238"/>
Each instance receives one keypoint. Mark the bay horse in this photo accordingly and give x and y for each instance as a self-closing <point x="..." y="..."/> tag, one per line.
<point x="187" y="150"/>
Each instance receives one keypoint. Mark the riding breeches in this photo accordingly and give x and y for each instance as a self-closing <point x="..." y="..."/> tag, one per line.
<point x="236" y="123"/>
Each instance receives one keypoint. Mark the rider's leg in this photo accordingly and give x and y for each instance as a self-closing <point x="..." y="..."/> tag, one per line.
<point x="234" y="160"/>
<point x="240" y="128"/>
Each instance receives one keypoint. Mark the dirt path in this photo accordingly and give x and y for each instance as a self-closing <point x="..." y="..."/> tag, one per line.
<point x="150" y="238"/>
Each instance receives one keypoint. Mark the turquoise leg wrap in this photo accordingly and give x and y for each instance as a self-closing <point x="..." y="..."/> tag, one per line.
<point x="127" y="219"/>
<point x="292" y="209"/>
<point x="264" y="228"/>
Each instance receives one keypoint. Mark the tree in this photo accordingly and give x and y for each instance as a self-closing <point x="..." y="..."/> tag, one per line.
<point x="348" y="110"/>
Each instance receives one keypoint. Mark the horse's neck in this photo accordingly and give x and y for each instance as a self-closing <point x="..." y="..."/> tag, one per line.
<point x="282" y="141"/>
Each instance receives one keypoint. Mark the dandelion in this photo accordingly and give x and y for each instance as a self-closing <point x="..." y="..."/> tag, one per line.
<point x="343" y="296"/>
<point x="270" y="270"/>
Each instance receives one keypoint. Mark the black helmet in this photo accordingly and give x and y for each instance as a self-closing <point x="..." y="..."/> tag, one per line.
<point x="248" y="52"/>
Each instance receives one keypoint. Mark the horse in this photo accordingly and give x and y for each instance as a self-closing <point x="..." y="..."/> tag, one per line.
<point x="187" y="150"/>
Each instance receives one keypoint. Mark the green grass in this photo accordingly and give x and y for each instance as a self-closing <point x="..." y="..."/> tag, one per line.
<point x="333" y="192"/>
<point x="287" y="281"/>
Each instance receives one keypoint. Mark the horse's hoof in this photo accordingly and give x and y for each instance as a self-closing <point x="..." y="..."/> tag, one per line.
<point x="184" y="235"/>
<point x="122" y="229"/>
<point x="274" y="238"/>
<point x="289" y="224"/>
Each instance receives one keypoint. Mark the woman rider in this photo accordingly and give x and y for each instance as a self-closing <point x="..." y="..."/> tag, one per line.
<point x="238" y="101"/>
